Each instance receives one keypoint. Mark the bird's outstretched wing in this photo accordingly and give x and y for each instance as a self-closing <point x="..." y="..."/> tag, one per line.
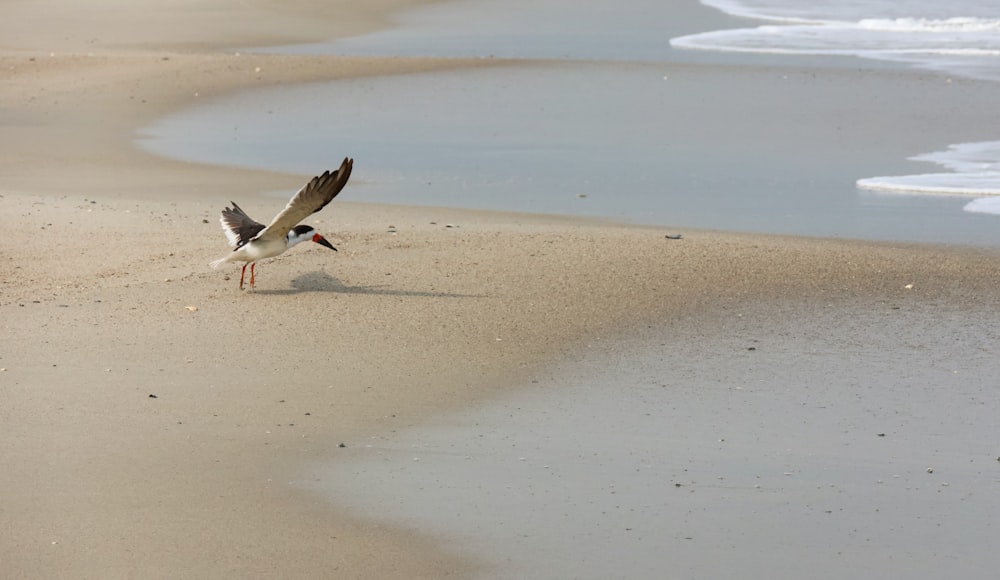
<point x="238" y="226"/>
<point x="309" y="200"/>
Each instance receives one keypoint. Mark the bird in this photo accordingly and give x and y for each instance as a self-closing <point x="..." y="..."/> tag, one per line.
<point x="252" y="241"/>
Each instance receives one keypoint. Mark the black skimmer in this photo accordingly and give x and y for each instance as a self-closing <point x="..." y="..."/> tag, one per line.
<point x="252" y="241"/>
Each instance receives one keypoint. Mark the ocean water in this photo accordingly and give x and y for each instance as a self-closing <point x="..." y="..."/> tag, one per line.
<point x="959" y="38"/>
<point x="594" y="123"/>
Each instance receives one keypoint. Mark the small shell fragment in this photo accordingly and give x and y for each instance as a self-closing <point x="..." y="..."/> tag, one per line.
<point x="191" y="308"/>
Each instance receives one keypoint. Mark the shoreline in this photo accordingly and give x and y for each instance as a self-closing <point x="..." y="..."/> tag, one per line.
<point x="701" y="166"/>
<point x="154" y="413"/>
<point x="89" y="122"/>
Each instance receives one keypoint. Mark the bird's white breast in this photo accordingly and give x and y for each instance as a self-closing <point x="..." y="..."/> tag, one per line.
<point x="259" y="249"/>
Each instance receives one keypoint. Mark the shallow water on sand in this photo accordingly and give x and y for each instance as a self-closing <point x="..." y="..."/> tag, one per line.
<point x="638" y="142"/>
<point x="854" y="443"/>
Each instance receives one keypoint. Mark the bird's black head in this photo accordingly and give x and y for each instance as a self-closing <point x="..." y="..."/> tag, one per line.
<point x="304" y="233"/>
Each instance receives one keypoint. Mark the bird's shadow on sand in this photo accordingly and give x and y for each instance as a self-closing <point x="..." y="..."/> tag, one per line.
<point x="323" y="282"/>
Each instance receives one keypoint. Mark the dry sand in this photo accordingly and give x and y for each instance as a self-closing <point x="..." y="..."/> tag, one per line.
<point x="150" y="411"/>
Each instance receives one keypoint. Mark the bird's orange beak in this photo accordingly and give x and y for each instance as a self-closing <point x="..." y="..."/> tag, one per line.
<point x="322" y="241"/>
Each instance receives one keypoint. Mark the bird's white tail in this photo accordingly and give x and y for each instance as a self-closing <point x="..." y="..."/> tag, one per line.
<point x="216" y="264"/>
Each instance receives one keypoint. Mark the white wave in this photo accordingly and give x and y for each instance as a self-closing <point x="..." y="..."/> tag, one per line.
<point x="840" y="40"/>
<point x="984" y="205"/>
<point x="843" y="38"/>
<point x="915" y="32"/>
<point x="975" y="171"/>
<point x="933" y="25"/>
<point x="935" y="183"/>
<point x="978" y="157"/>
<point x="810" y="11"/>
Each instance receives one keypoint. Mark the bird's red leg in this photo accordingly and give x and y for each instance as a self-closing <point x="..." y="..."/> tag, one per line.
<point x="252" y="266"/>
<point x="243" y="273"/>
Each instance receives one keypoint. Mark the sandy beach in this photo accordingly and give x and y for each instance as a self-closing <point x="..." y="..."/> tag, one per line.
<point x="152" y="415"/>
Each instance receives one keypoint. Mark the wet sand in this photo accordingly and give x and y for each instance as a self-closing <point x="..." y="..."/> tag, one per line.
<point x="776" y="439"/>
<point x="159" y="418"/>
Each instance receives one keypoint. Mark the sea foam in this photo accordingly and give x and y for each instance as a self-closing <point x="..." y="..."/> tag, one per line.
<point x="960" y="38"/>
<point x="975" y="171"/>
<point x="984" y="205"/>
